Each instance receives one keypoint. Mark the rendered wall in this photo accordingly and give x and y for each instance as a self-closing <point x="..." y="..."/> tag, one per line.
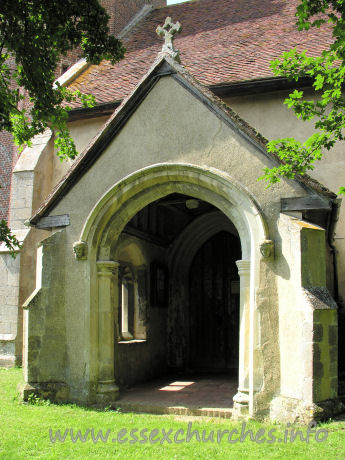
<point x="162" y="132"/>
<point x="82" y="131"/>
<point x="268" y="114"/>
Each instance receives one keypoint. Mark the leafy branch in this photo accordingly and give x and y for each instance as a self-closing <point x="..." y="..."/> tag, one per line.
<point x="33" y="36"/>
<point x="327" y="108"/>
<point x="10" y="240"/>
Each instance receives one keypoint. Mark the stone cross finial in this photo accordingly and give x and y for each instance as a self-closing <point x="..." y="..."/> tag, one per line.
<point x="167" y="31"/>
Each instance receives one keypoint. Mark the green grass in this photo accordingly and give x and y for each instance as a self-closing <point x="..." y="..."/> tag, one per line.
<point x="24" y="433"/>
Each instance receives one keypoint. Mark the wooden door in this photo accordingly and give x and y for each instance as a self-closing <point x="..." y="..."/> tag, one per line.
<point x="214" y="304"/>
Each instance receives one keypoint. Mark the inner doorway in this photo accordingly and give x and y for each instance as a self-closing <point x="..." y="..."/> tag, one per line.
<point x="214" y="305"/>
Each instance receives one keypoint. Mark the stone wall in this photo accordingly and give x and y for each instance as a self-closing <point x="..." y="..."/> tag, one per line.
<point x="307" y="325"/>
<point x="45" y="351"/>
<point x="9" y="292"/>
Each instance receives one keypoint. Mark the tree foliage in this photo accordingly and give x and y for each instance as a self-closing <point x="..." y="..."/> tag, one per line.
<point x="327" y="73"/>
<point x="8" y="238"/>
<point x="36" y="33"/>
<point x="33" y="36"/>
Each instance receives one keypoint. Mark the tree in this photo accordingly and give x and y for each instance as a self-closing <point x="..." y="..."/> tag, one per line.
<point x="327" y="73"/>
<point x="33" y="36"/>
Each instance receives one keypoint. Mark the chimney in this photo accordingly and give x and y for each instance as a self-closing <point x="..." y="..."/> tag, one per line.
<point x="122" y="11"/>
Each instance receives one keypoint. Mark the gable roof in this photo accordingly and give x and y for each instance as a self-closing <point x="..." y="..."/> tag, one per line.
<point x="163" y="66"/>
<point x="222" y="41"/>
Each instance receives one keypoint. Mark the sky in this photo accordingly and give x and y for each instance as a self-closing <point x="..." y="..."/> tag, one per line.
<point x="172" y="2"/>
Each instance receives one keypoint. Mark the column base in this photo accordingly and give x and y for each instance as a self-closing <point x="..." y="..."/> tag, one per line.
<point x="107" y="392"/>
<point x="240" y="409"/>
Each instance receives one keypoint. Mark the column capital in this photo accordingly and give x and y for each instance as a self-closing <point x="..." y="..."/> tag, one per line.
<point x="243" y="267"/>
<point x="107" y="267"/>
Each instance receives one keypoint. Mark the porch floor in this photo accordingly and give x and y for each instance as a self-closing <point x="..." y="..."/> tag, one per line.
<point x="200" y="394"/>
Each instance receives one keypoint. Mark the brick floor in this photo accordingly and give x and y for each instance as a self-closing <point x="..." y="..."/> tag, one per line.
<point x="207" y="395"/>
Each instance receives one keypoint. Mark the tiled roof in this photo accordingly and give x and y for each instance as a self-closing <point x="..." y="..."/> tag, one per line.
<point x="223" y="41"/>
<point x="114" y="124"/>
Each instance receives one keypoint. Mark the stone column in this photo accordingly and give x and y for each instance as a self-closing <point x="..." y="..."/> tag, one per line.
<point x="241" y="399"/>
<point x="107" y="274"/>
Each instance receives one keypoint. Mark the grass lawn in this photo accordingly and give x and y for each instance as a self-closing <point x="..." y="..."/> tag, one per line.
<point x="24" y="433"/>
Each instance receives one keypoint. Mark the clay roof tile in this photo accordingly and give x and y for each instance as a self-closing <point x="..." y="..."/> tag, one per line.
<point x="222" y="41"/>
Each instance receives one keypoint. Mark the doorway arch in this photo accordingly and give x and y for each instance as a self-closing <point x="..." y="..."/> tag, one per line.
<point x="123" y="201"/>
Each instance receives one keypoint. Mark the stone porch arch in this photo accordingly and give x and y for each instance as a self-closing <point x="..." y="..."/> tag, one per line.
<point x="127" y="197"/>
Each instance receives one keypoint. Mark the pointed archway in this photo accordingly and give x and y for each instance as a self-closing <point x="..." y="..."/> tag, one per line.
<point x="118" y="206"/>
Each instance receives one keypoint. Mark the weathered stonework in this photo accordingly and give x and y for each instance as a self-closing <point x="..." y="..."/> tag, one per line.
<point x="7" y="350"/>
<point x="267" y="249"/>
<point x="80" y="250"/>
<point x="289" y="410"/>
<point x="53" y="391"/>
<point x="168" y="31"/>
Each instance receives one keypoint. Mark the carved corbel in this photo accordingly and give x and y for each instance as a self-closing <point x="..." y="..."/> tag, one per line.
<point x="80" y="250"/>
<point x="267" y="249"/>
